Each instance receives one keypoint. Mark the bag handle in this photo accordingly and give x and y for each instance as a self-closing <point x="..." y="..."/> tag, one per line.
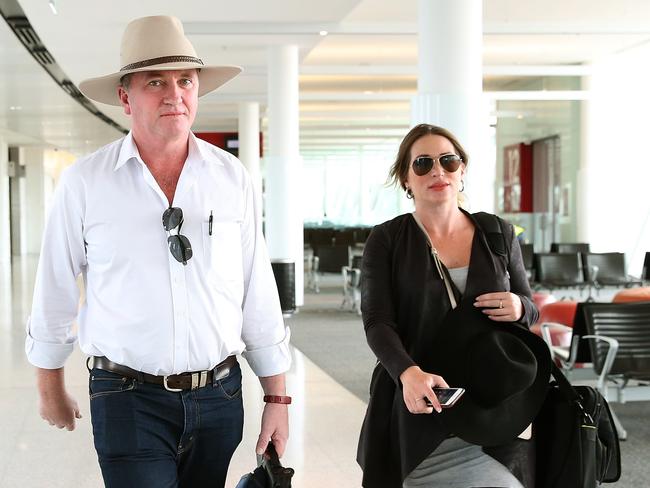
<point x="436" y="259"/>
<point x="568" y="390"/>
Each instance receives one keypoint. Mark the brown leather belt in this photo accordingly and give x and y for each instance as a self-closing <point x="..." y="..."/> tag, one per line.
<point x="174" y="382"/>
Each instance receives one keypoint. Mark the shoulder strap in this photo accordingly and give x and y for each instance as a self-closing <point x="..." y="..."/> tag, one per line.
<point x="440" y="267"/>
<point x="493" y="227"/>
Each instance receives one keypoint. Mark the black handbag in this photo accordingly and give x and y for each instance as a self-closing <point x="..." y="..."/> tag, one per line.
<point x="269" y="472"/>
<point x="576" y="440"/>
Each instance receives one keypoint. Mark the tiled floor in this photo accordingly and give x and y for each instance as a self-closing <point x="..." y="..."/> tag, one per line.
<point x="322" y="443"/>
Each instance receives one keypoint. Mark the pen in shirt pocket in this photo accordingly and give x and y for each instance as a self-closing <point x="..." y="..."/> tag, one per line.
<point x="210" y="224"/>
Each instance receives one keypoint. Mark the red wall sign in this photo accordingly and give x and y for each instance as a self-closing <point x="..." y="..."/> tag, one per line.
<point x="518" y="178"/>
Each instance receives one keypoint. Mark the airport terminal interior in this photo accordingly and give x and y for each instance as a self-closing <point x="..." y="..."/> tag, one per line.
<point x="549" y="98"/>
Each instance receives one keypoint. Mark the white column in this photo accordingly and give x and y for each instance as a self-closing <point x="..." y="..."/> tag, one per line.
<point x="18" y="202"/>
<point x="34" y="211"/>
<point x="283" y="166"/>
<point x="450" y="84"/>
<point x="5" y="238"/>
<point x="249" y="143"/>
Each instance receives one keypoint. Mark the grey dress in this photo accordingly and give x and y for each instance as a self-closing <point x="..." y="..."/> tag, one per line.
<point x="456" y="463"/>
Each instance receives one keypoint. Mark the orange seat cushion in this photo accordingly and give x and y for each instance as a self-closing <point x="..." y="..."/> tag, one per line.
<point x="633" y="295"/>
<point x="540" y="299"/>
<point x="562" y="312"/>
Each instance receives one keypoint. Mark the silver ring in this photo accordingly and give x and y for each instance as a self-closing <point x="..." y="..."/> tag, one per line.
<point x="500" y="303"/>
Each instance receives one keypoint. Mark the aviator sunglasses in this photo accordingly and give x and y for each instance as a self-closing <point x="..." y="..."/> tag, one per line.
<point x="449" y="162"/>
<point x="179" y="245"/>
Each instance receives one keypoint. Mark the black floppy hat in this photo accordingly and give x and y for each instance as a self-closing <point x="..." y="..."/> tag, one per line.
<point x="504" y="368"/>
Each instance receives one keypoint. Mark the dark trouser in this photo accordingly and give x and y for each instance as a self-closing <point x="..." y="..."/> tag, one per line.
<point x="148" y="437"/>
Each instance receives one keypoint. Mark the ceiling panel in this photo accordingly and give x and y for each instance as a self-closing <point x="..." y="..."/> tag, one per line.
<point x="361" y="74"/>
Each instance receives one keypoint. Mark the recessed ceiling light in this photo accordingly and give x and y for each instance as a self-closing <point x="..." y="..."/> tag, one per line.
<point x="519" y="116"/>
<point x="368" y="92"/>
<point x="323" y="33"/>
<point x="15" y="107"/>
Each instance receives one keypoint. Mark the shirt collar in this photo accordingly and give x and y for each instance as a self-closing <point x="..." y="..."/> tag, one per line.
<point x="129" y="150"/>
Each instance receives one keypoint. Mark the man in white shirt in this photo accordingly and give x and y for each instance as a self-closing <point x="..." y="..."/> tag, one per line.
<point x="165" y="230"/>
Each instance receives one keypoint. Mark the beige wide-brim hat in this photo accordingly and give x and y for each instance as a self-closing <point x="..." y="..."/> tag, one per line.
<point x="156" y="44"/>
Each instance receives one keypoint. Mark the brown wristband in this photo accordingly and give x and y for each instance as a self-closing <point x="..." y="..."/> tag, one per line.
<point x="286" y="400"/>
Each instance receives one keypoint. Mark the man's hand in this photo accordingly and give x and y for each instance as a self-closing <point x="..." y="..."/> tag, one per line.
<point x="275" y="427"/>
<point x="55" y="405"/>
<point x="275" y="418"/>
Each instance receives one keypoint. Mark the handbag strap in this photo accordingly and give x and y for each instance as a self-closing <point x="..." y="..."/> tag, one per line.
<point x="564" y="384"/>
<point x="439" y="265"/>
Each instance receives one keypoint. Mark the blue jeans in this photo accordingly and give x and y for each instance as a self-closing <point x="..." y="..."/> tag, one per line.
<point x="148" y="437"/>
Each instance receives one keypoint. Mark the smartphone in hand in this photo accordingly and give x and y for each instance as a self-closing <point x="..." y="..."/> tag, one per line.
<point x="446" y="396"/>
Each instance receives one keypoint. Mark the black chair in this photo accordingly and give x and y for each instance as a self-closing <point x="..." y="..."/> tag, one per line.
<point x="344" y="237"/>
<point x="319" y="236"/>
<point x="559" y="270"/>
<point x="607" y="269"/>
<point x="569" y="247"/>
<point x="619" y="345"/>
<point x="528" y="256"/>
<point x="331" y="258"/>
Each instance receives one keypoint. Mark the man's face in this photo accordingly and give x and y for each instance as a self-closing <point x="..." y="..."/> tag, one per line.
<point x="162" y="104"/>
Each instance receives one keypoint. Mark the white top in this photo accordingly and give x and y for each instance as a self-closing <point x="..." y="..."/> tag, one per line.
<point x="459" y="277"/>
<point x="144" y="309"/>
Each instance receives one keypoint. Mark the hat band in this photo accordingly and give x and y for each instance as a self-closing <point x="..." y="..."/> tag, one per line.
<point x="162" y="60"/>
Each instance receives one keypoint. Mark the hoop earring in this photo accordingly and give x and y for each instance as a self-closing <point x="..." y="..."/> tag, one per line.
<point x="463" y="187"/>
<point x="409" y="194"/>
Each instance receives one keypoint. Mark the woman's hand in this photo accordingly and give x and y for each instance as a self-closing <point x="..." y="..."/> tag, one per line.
<point x="418" y="385"/>
<point x="501" y="306"/>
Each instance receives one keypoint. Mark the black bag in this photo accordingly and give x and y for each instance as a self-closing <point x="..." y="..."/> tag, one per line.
<point x="577" y="442"/>
<point x="269" y="472"/>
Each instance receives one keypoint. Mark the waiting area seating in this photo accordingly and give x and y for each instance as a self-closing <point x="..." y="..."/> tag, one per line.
<point x="559" y="270"/>
<point x="574" y="266"/>
<point x="555" y="325"/>
<point x="613" y="341"/>
<point x="336" y="250"/>
<point x="333" y="250"/>
<point x="570" y="247"/>
<point x="607" y="269"/>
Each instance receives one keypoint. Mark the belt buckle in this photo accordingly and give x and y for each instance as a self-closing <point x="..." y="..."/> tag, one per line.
<point x="199" y="380"/>
<point x="168" y="388"/>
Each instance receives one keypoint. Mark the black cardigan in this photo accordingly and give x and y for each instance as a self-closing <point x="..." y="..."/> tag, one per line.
<point x="403" y="302"/>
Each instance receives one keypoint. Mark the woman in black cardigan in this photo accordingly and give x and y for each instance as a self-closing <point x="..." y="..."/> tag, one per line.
<point x="404" y="302"/>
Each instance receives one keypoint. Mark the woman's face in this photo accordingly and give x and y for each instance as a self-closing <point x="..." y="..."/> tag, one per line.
<point x="438" y="185"/>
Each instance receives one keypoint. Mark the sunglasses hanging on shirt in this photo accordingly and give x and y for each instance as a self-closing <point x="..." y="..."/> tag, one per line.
<point x="179" y="245"/>
<point x="449" y="162"/>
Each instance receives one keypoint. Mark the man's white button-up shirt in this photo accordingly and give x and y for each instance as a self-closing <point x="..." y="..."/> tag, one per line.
<point x="142" y="308"/>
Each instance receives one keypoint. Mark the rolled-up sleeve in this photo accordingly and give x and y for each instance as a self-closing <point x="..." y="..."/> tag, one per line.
<point x="263" y="330"/>
<point x="50" y="337"/>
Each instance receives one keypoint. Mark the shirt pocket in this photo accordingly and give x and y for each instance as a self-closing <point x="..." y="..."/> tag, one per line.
<point x="223" y="251"/>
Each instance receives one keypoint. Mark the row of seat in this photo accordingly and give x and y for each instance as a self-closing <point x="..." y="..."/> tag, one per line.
<point x="331" y="236"/>
<point x="579" y="269"/>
